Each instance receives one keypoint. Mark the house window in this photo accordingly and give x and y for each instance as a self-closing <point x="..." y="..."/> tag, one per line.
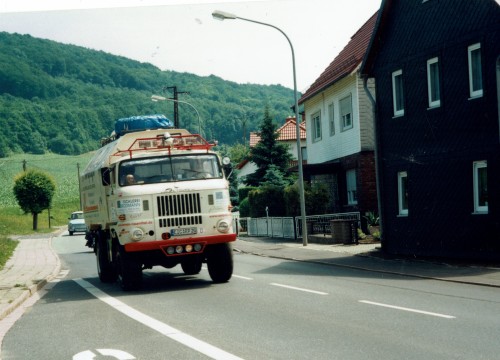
<point x="397" y="93"/>
<point x="403" y="193"/>
<point x="346" y="112"/>
<point x="480" y="186"/>
<point x="352" y="196"/>
<point x="331" y="119"/>
<point x="475" y="71"/>
<point x="433" y="89"/>
<point x="316" y="126"/>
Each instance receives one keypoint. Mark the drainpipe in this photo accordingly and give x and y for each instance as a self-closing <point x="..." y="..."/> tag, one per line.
<point x="498" y="91"/>
<point x="377" y="161"/>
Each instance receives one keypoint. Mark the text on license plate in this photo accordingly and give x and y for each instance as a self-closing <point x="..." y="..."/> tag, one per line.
<point x="183" y="231"/>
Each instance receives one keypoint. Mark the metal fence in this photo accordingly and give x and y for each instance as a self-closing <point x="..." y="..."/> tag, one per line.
<point x="290" y="227"/>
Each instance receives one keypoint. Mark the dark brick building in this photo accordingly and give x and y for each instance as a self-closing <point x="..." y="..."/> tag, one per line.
<point x="436" y="68"/>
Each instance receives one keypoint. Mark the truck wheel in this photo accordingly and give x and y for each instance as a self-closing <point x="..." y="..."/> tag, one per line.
<point x="70" y="233"/>
<point x="105" y="269"/>
<point x="192" y="265"/>
<point x="129" y="271"/>
<point x="220" y="262"/>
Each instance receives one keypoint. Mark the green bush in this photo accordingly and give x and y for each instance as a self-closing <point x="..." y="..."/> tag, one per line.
<point x="243" y="192"/>
<point x="244" y="208"/>
<point x="268" y="196"/>
<point x="316" y="199"/>
<point x="292" y="200"/>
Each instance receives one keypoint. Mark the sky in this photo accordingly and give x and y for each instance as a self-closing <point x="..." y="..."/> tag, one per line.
<point x="183" y="36"/>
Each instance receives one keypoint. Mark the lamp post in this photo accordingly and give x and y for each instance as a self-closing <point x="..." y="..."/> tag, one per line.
<point x="221" y="15"/>
<point x="162" y="98"/>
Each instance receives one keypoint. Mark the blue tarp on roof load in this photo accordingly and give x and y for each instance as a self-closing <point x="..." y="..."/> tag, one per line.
<point x="143" y="122"/>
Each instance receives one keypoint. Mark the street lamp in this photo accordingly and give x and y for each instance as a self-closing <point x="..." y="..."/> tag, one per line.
<point x="221" y="15"/>
<point x="162" y="98"/>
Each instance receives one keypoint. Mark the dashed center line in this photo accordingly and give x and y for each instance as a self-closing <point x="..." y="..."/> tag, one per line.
<point x="299" y="289"/>
<point x="407" y="309"/>
<point x="242" y="277"/>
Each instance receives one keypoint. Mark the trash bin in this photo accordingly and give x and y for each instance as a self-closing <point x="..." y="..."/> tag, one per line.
<point x="344" y="231"/>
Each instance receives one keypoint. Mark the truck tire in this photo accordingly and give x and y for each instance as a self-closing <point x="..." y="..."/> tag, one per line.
<point x="105" y="269"/>
<point x="129" y="270"/>
<point x="220" y="262"/>
<point x="70" y="233"/>
<point x="192" y="265"/>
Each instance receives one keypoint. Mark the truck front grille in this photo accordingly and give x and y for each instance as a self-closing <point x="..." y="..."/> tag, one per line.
<point x="179" y="210"/>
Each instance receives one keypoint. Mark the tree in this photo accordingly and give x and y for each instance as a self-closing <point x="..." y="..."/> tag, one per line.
<point x="238" y="153"/>
<point x="274" y="177"/>
<point x="268" y="151"/>
<point x="34" y="190"/>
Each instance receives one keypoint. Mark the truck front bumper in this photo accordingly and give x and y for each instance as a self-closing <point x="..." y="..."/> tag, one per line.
<point x="173" y="242"/>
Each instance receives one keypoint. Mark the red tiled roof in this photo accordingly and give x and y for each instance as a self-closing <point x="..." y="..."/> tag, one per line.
<point x="289" y="130"/>
<point x="254" y="139"/>
<point x="346" y="61"/>
<point x="286" y="132"/>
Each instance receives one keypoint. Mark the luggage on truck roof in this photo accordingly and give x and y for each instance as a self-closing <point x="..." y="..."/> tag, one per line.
<point x="142" y="122"/>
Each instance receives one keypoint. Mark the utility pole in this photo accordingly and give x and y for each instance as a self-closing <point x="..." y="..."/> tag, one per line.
<point x="79" y="185"/>
<point x="176" y="104"/>
<point x="244" y="128"/>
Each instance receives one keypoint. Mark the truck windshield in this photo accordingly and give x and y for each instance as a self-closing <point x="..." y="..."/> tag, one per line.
<point x="169" y="169"/>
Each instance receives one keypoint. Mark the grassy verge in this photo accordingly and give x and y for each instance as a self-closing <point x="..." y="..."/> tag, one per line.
<point x="7" y="247"/>
<point x="14" y="222"/>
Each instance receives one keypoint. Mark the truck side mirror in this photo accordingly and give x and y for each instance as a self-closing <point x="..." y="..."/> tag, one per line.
<point x="105" y="176"/>
<point x="228" y="169"/>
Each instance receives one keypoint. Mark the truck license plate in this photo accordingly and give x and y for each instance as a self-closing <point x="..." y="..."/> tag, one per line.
<point x="183" y="231"/>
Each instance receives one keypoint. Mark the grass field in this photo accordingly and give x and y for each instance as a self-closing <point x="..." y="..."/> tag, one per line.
<point x="64" y="170"/>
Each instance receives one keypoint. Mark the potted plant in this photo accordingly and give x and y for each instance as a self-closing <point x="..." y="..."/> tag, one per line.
<point x="372" y="221"/>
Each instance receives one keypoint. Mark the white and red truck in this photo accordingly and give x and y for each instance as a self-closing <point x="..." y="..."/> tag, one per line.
<point x="157" y="197"/>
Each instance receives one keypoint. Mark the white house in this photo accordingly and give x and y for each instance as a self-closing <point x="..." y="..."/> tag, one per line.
<point x="340" y="139"/>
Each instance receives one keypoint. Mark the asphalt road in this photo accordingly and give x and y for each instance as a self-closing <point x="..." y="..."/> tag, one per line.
<point x="271" y="309"/>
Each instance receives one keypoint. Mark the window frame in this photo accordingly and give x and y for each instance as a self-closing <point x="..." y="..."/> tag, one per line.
<point x="351" y="187"/>
<point x="433" y="83"/>
<point x="316" y="126"/>
<point x="398" y="93"/>
<point x="473" y="77"/>
<point x="477" y="165"/>
<point x="343" y="116"/>
<point x="402" y="210"/>
<point x="331" y="118"/>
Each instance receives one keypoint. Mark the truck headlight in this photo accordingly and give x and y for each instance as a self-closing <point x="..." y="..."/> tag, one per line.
<point x="223" y="226"/>
<point x="137" y="234"/>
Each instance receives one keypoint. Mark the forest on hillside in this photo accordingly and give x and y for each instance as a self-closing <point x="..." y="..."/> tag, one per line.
<point x="63" y="98"/>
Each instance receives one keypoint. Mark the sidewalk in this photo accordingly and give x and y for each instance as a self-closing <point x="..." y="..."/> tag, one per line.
<point x="34" y="263"/>
<point x="369" y="257"/>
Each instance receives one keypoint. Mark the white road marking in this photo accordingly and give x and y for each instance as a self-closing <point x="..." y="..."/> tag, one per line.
<point x="299" y="289"/>
<point x="117" y="354"/>
<point x="164" y="329"/>
<point x="407" y="309"/>
<point x="242" y="277"/>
